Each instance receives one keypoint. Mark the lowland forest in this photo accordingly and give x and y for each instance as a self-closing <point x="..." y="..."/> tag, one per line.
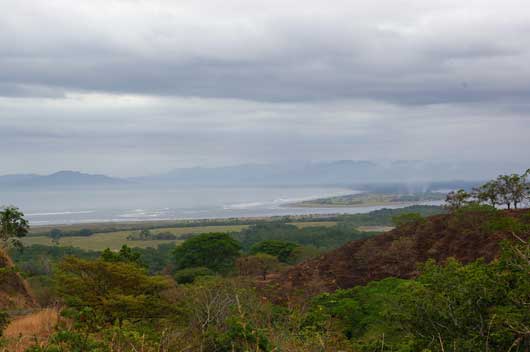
<point x="420" y="278"/>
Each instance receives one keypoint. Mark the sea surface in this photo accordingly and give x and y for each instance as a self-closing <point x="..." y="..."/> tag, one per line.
<point x="119" y="204"/>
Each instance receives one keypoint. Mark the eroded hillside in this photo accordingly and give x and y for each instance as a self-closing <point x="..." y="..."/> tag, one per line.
<point x="14" y="292"/>
<point x="466" y="236"/>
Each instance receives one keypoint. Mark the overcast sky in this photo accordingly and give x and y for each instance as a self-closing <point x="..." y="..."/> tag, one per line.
<point x="134" y="87"/>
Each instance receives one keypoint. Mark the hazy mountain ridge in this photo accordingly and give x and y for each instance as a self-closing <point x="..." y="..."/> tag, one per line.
<point x="341" y="172"/>
<point x="58" y="179"/>
<point x="345" y="173"/>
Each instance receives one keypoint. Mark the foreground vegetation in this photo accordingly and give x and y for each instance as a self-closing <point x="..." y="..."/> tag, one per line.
<point x="112" y="303"/>
<point x="218" y="291"/>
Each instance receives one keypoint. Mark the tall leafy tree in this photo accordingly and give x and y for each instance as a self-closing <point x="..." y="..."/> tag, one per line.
<point x="55" y="235"/>
<point x="488" y="193"/>
<point x="114" y="290"/>
<point x="513" y="189"/>
<point x="282" y="250"/>
<point x="215" y="251"/>
<point x="455" y="200"/>
<point x="126" y="254"/>
<point x="13" y="225"/>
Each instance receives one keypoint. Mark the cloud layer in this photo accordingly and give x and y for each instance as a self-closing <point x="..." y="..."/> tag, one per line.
<point x="132" y="86"/>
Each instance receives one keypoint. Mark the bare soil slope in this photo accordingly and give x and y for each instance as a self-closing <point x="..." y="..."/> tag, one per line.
<point x="395" y="253"/>
<point x="14" y="291"/>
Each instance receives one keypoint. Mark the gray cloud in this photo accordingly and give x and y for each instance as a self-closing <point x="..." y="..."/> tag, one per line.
<point x="405" y="52"/>
<point x="132" y="86"/>
<point x="126" y="135"/>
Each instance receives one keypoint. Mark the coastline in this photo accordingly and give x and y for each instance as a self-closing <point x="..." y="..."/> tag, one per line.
<point x="366" y="199"/>
<point x="111" y="226"/>
<point x="310" y="204"/>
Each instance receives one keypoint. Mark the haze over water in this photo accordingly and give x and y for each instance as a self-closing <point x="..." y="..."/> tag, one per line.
<point x="64" y="206"/>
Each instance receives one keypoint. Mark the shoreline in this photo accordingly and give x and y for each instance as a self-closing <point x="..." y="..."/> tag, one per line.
<point x="340" y="206"/>
<point x="113" y="225"/>
<point x="363" y="199"/>
<point x="109" y="226"/>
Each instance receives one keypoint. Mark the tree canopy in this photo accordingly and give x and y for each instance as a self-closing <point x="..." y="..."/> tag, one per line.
<point x="215" y="251"/>
<point x="115" y="290"/>
<point x="282" y="250"/>
<point x="13" y="225"/>
<point x="508" y="190"/>
<point x="125" y="254"/>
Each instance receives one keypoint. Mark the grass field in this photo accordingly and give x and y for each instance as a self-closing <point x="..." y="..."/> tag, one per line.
<point x="370" y="199"/>
<point x="114" y="240"/>
<point x="301" y="225"/>
<point x="375" y="228"/>
<point x="22" y="332"/>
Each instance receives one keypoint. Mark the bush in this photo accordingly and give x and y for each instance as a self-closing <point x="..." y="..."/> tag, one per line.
<point x="4" y="321"/>
<point x="164" y="236"/>
<point x="115" y="290"/>
<point x="319" y="237"/>
<point x="241" y="336"/>
<point x="188" y="276"/>
<point x="58" y="233"/>
<point x="280" y="249"/>
<point x="407" y="218"/>
<point x="258" y="264"/>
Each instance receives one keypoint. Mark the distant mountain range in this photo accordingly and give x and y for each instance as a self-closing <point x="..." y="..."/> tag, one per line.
<point x="332" y="173"/>
<point x="58" y="179"/>
<point x="341" y="172"/>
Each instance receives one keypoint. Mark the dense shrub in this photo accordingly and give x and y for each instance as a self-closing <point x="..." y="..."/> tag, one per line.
<point x="280" y="249"/>
<point x="189" y="275"/>
<point x="319" y="237"/>
<point x="4" y="321"/>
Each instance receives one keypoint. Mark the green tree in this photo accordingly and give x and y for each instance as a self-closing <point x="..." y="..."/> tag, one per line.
<point x="115" y="291"/>
<point x="458" y="199"/>
<point x="474" y="307"/>
<point x="215" y="251"/>
<point x="189" y="275"/>
<point x="12" y="226"/>
<point x="85" y="232"/>
<point x="488" y="193"/>
<point x="282" y="250"/>
<point x="513" y="189"/>
<point x="125" y="254"/>
<point x="55" y="235"/>
<point x="145" y="234"/>
<point x="449" y="308"/>
<point x="362" y="314"/>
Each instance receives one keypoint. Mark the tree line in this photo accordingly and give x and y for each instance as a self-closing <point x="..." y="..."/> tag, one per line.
<point x="506" y="190"/>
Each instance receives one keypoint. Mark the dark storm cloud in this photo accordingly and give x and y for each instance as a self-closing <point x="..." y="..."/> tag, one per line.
<point x="403" y="54"/>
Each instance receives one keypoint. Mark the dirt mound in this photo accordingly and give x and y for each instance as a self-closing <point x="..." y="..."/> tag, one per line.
<point x="14" y="291"/>
<point x="395" y="253"/>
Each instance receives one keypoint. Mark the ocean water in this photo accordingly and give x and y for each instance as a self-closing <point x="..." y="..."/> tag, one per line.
<point x="68" y="206"/>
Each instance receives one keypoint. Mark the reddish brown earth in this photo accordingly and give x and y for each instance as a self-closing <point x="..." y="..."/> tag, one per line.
<point x="14" y="291"/>
<point x="395" y="253"/>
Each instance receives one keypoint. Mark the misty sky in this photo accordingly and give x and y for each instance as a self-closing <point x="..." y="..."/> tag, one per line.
<point x="131" y="87"/>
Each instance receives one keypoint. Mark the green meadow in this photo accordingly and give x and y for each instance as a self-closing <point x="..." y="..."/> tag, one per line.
<point x="114" y="240"/>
